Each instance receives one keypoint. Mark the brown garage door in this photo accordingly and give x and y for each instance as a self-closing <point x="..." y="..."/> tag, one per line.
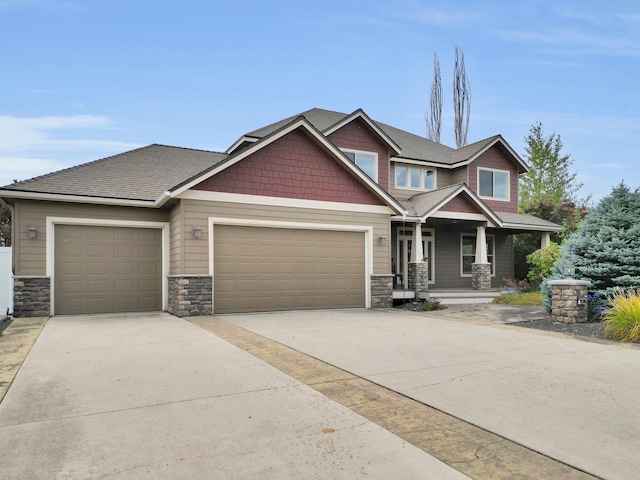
<point x="107" y="269"/>
<point x="263" y="269"/>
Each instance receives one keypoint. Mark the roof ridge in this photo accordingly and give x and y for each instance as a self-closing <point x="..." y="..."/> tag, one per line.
<point x="183" y="148"/>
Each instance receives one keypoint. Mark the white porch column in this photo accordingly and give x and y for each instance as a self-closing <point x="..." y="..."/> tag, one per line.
<point x="546" y="240"/>
<point x="481" y="245"/>
<point x="417" y="254"/>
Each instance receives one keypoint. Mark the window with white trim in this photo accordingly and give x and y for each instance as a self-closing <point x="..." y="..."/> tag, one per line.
<point x="367" y="161"/>
<point x="415" y="178"/>
<point x="468" y="253"/>
<point x="493" y="184"/>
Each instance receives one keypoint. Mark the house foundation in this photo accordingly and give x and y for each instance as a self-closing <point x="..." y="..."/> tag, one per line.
<point x="381" y="291"/>
<point x="190" y="295"/>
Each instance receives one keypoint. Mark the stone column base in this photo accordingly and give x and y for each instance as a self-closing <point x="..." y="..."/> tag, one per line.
<point x="382" y="291"/>
<point x="31" y="296"/>
<point x="190" y="295"/>
<point x="569" y="300"/>
<point x="481" y="276"/>
<point x="418" y="277"/>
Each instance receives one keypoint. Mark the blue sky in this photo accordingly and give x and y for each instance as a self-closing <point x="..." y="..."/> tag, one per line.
<point x="81" y="80"/>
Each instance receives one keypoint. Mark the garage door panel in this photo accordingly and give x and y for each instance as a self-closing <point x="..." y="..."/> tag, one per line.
<point x="100" y="269"/>
<point x="261" y="269"/>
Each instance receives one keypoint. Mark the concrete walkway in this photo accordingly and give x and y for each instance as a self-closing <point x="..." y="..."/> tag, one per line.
<point x="574" y="401"/>
<point x="154" y="396"/>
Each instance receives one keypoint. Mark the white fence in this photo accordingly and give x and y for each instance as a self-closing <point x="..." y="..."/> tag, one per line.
<point x="6" y="281"/>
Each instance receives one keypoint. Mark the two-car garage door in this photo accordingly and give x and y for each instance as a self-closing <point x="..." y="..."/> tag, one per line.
<point x="103" y="269"/>
<point x="266" y="269"/>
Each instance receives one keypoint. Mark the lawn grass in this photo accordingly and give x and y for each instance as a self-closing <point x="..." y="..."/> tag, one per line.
<point x="530" y="298"/>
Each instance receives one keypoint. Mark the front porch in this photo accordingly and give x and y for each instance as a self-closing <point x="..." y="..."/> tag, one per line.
<point x="449" y="296"/>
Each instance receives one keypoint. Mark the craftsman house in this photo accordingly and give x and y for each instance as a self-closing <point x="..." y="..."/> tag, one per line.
<point x="319" y="210"/>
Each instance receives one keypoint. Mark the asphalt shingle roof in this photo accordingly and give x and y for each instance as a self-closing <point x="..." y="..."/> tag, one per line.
<point x="413" y="147"/>
<point x="141" y="174"/>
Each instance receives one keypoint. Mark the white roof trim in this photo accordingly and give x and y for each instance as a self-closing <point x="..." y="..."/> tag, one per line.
<point x="240" y="141"/>
<point x="57" y="197"/>
<point x="300" y="122"/>
<point x="283" y="202"/>
<point x="374" y="126"/>
<point x="529" y="226"/>
<point x="500" y="140"/>
<point x="479" y="203"/>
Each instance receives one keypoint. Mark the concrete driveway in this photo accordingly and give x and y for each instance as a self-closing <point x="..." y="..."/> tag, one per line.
<point x="154" y="396"/>
<point x="572" y="400"/>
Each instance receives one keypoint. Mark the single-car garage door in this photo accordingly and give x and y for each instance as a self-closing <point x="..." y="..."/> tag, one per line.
<point x="107" y="269"/>
<point x="263" y="269"/>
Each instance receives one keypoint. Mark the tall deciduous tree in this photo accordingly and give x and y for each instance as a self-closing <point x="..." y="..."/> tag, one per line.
<point x="461" y="99"/>
<point x="549" y="179"/>
<point x="434" y="117"/>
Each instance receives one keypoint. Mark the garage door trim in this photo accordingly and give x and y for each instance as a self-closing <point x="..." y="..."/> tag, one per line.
<point x="103" y="222"/>
<point x="367" y="230"/>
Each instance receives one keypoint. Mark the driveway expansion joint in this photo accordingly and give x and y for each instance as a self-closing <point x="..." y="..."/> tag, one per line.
<point x="468" y="448"/>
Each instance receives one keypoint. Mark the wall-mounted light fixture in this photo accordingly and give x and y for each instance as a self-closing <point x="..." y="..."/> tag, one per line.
<point x="33" y="231"/>
<point x="382" y="240"/>
<point x="197" y="231"/>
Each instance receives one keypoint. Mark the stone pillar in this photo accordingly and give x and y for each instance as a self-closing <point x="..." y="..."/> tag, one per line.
<point x="481" y="276"/>
<point x="569" y="300"/>
<point x="381" y="291"/>
<point x="190" y="295"/>
<point x="31" y="296"/>
<point x="418" y="278"/>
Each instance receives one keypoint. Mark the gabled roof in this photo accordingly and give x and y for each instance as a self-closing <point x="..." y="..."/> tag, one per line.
<point x="297" y="123"/>
<point x="408" y="146"/>
<point x="424" y="205"/>
<point x="359" y="114"/>
<point x="142" y="175"/>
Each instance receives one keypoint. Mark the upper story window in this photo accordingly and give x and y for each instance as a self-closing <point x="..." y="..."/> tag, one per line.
<point x="367" y="161"/>
<point x="493" y="184"/>
<point x="416" y="178"/>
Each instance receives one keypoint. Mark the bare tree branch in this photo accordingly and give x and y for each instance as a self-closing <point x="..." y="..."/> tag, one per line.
<point x="461" y="99"/>
<point x="434" y="118"/>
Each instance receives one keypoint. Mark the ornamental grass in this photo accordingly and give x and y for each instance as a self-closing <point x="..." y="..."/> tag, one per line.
<point x="622" y="320"/>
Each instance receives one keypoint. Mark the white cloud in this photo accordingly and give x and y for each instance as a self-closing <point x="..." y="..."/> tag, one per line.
<point x="24" y="134"/>
<point x="33" y="146"/>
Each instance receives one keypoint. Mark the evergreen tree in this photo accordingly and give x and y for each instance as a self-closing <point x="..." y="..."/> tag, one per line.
<point x="5" y="226"/>
<point x="605" y="249"/>
<point x="547" y="191"/>
<point x="549" y="179"/>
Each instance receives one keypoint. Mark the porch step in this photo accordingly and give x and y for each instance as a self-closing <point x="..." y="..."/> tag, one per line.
<point x="465" y="297"/>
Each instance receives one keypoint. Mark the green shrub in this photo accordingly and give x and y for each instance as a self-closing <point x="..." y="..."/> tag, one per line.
<point x="541" y="262"/>
<point x="622" y="320"/>
<point x="431" y="305"/>
<point x="522" y="298"/>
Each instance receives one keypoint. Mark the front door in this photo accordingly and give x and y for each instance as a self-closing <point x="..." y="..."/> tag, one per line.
<point x="403" y="254"/>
